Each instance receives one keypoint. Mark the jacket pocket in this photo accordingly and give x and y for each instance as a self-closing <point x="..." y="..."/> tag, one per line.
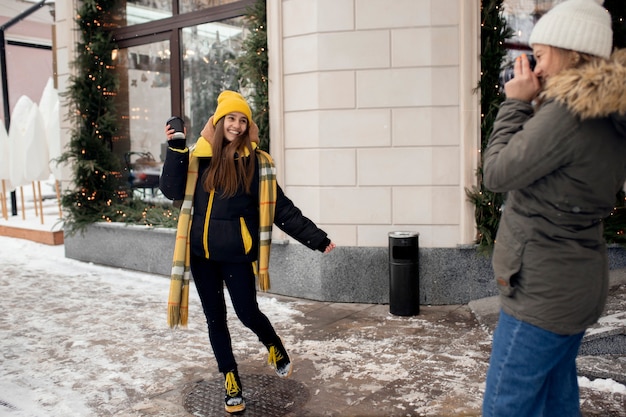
<point x="507" y="258"/>
<point x="245" y="236"/>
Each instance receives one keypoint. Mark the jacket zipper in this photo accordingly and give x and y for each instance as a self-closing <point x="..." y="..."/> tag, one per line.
<point x="205" y="234"/>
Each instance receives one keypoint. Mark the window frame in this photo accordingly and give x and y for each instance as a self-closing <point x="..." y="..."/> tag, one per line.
<point x="170" y="28"/>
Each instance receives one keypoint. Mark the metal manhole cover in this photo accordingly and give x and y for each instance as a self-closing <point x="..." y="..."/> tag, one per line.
<point x="265" y="396"/>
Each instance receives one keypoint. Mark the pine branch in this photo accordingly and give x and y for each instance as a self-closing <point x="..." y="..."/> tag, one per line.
<point x="254" y="67"/>
<point x="494" y="32"/>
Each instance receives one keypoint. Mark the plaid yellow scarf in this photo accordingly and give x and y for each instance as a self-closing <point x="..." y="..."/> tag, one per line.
<point x="267" y="207"/>
<point x="178" y="300"/>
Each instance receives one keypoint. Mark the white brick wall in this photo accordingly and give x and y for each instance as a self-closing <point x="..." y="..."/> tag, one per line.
<point x="378" y="115"/>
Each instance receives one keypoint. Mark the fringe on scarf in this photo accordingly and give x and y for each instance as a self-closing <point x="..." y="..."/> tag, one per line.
<point x="178" y="311"/>
<point x="264" y="282"/>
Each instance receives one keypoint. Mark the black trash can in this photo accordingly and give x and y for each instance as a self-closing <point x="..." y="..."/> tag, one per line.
<point x="404" y="293"/>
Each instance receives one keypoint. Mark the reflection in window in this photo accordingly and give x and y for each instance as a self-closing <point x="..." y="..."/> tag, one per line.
<point x="194" y="5"/>
<point x="521" y="16"/>
<point x="210" y="66"/>
<point x="135" y="12"/>
<point x="144" y="96"/>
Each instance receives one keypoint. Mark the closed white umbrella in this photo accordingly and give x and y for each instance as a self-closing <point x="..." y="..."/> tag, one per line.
<point x="48" y="99"/>
<point x="49" y="108"/>
<point x="28" y="146"/>
<point x="5" y="172"/>
<point x="17" y="131"/>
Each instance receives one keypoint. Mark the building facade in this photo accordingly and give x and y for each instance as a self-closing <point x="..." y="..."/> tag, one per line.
<point x="374" y="120"/>
<point x="374" y="117"/>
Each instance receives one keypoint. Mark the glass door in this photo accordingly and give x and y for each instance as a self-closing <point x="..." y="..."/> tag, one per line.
<point x="143" y="105"/>
<point x="210" y="65"/>
<point x="172" y="64"/>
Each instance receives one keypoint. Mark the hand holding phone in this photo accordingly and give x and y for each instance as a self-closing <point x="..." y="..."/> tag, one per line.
<point x="178" y="125"/>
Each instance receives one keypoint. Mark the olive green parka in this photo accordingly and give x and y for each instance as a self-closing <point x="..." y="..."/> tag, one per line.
<point x="562" y="165"/>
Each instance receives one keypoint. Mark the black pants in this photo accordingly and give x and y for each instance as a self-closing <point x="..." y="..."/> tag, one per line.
<point x="210" y="277"/>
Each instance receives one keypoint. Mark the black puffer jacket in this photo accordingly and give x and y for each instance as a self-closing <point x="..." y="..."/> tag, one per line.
<point x="227" y="229"/>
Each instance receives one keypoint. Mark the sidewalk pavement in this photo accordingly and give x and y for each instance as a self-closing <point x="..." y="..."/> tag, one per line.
<point x="81" y="340"/>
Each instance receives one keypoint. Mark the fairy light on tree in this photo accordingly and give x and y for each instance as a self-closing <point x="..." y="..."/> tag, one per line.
<point x="615" y="224"/>
<point x="494" y="32"/>
<point x="91" y="99"/>
<point x="254" y="67"/>
<point x="99" y="191"/>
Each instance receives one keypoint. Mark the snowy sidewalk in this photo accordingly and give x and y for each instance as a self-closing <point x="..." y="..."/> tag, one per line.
<point x="83" y="340"/>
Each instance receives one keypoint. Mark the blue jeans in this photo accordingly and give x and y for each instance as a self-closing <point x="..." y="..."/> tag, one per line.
<point x="532" y="372"/>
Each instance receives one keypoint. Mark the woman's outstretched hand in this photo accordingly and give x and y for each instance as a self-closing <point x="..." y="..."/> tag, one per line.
<point x="330" y="247"/>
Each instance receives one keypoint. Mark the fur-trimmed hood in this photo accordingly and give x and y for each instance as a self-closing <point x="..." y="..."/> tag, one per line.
<point x="597" y="89"/>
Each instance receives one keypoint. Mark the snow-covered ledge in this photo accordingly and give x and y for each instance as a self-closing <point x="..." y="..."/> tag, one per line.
<point x="348" y="274"/>
<point x="121" y="245"/>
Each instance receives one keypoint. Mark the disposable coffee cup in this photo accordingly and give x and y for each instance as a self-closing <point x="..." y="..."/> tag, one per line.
<point x="178" y="125"/>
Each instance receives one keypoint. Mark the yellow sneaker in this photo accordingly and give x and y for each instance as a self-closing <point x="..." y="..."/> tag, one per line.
<point x="233" y="398"/>
<point x="279" y="360"/>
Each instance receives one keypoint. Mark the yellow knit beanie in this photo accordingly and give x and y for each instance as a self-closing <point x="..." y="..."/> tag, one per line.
<point x="228" y="102"/>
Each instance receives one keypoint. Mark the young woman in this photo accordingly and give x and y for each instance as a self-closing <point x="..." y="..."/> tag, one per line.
<point x="559" y="149"/>
<point x="235" y="200"/>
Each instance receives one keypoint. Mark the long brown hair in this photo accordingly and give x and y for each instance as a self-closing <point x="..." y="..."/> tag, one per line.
<point x="229" y="169"/>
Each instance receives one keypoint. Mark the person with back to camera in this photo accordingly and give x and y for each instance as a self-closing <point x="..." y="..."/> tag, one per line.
<point x="231" y="185"/>
<point x="558" y="148"/>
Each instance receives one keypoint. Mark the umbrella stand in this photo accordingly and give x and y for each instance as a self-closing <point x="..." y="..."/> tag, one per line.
<point x="5" y="213"/>
<point x="35" y="199"/>
<point x="57" y="185"/>
<point x="22" y="200"/>
<point x="40" y="200"/>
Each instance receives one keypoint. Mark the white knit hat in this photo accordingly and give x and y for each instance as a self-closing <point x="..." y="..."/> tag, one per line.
<point x="577" y="25"/>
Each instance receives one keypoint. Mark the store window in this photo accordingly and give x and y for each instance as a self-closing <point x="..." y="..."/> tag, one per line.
<point x="210" y="53"/>
<point x="192" y="5"/>
<point x="521" y="16"/>
<point x="145" y="89"/>
<point x="172" y="63"/>
<point x="136" y="12"/>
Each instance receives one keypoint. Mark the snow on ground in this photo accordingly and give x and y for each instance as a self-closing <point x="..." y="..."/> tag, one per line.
<point x="58" y="343"/>
<point x="59" y="356"/>
<point x="60" y="315"/>
<point x="607" y="385"/>
<point x="27" y="217"/>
